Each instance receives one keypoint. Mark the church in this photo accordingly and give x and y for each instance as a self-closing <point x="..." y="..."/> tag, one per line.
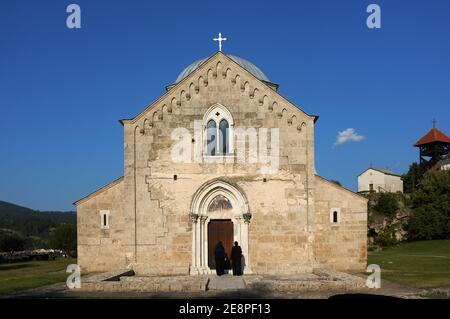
<point x="246" y="173"/>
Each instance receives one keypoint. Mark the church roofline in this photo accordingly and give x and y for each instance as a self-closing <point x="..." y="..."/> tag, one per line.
<point x="98" y="191"/>
<point x="341" y="187"/>
<point x="272" y="85"/>
<point x="184" y="80"/>
<point x="122" y="121"/>
<point x="136" y="118"/>
<point x="384" y="171"/>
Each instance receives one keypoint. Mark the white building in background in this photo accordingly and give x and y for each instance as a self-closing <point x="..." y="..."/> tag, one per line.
<point x="444" y="164"/>
<point x="379" y="180"/>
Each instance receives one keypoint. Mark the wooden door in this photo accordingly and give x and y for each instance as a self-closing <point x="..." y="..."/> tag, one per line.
<point x="219" y="230"/>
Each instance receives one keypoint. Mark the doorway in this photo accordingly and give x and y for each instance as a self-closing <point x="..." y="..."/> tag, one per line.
<point x="219" y="230"/>
<point x="219" y="212"/>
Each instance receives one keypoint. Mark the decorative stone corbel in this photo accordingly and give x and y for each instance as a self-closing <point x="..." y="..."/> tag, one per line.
<point x="194" y="218"/>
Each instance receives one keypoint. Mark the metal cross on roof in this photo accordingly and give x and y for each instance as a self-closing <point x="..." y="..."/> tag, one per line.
<point x="220" y="39"/>
<point x="434" y="123"/>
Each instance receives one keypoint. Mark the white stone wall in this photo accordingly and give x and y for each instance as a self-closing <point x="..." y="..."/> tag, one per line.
<point x="394" y="184"/>
<point x="370" y="177"/>
<point x="379" y="180"/>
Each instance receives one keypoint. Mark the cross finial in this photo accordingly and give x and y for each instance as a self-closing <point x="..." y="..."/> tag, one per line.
<point x="434" y="123"/>
<point x="220" y="39"/>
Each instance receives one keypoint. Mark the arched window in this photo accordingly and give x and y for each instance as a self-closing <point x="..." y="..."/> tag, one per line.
<point x="218" y="124"/>
<point x="223" y="137"/>
<point x="211" y="141"/>
<point x="335" y="216"/>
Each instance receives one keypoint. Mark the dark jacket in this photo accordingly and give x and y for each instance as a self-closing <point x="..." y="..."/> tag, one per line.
<point x="236" y="253"/>
<point x="219" y="252"/>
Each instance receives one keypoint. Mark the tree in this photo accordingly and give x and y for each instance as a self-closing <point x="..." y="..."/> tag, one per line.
<point x="412" y="178"/>
<point x="387" y="205"/>
<point x="386" y="237"/>
<point x="11" y="242"/>
<point x="431" y="208"/>
<point x="64" y="237"/>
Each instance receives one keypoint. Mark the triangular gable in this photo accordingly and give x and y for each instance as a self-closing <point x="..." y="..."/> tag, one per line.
<point x="98" y="191"/>
<point x="198" y="71"/>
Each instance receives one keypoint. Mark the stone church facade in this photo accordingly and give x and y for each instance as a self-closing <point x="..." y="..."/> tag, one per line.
<point x="164" y="215"/>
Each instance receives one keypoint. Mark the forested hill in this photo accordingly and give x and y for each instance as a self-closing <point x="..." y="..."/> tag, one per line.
<point x="29" y="222"/>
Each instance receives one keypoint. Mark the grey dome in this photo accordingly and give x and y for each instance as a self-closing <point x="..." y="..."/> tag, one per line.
<point x="250" y="67"/>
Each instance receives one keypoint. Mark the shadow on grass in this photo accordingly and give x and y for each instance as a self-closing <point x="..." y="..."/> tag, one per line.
<point x="15" y="266"/>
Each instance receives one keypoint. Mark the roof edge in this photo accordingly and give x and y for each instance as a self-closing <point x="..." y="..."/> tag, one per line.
<point x="268" y="85"/>
<point x="432" y="137"/>
<point x="341" y="187"/>
<point x="136" y="118"/>
<point x="379" y="170"/>
<point x="140" y="114"/>
<point x="98" y="191"/>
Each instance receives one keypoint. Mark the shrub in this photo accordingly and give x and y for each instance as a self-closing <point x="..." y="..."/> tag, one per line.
<point x="431" y="208"/>
<point x="64" y="237"/>
<point x="386" y="238"/>
<point x="11" y="242"/>
<point x="412" y="178"/>
<point x="387" y="204"/>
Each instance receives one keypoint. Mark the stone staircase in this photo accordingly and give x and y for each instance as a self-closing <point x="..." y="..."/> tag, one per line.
<point x="319" y="279"/>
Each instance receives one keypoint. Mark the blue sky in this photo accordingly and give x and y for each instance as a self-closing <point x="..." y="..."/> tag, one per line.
<point x="62" y="90"/>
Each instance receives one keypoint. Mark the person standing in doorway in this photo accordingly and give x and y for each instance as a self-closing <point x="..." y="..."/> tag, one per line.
<point x="236" y="259"/>
<point x="219" y="256"/>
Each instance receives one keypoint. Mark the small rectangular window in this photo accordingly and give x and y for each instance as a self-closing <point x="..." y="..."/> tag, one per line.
<point x="104" y="219"/>
<point x="335" y="217"/>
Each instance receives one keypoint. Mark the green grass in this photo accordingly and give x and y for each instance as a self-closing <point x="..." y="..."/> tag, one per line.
<point x="32" y="274"/>
<point x="423" y="264"/>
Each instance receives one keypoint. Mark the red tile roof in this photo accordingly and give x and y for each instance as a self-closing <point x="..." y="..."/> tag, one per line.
<point x="433" y="136"/>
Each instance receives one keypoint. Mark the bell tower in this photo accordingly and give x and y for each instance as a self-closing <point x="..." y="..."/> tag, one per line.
<point x="433" y="146"/>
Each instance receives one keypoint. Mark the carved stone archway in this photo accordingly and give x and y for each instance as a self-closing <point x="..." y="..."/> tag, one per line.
<point x="200" y="217"/>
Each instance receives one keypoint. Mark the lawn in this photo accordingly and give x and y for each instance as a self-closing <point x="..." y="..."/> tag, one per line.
<point x="424" y="264"/>
<point x="32" y="274"/>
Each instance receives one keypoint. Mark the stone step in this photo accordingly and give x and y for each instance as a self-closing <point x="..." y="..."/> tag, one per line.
<point x="225" y="282"/>
<point x="149" y="284"/>
<point x="320" y="279"/>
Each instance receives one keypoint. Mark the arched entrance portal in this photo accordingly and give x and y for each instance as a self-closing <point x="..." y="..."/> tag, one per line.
<point x="219" y="211"/>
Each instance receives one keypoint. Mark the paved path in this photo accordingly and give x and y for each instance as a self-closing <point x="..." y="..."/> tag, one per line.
<point x="225" y="282"/>
<point x="224" y="287"/>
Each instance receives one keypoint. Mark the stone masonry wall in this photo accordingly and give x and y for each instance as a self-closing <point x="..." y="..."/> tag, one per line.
<point x="278" y="238"/>
<point x="341" y="246"/>
<point x="285" y="208"/>
<point x="104" y="249"/>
